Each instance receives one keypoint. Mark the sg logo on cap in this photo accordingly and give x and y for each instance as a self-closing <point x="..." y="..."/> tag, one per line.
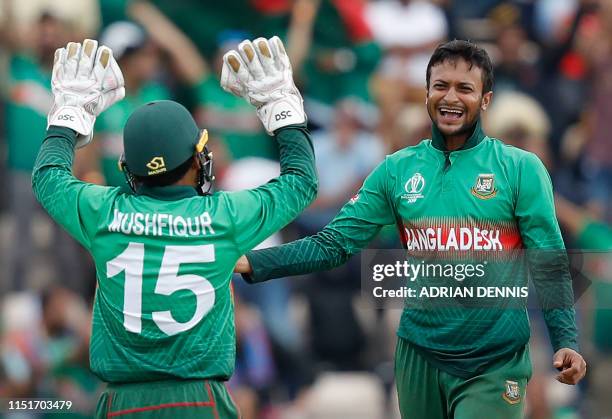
<point x="157" y="165"/>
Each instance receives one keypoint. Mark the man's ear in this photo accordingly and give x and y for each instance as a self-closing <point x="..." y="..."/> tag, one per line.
<point x="486" y="100"/>
<point x="195" y="163"/>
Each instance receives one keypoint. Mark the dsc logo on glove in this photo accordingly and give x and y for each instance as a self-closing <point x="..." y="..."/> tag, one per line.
<point x="282" y="115"/>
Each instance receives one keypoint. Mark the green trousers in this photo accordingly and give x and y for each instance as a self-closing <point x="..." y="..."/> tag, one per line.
<point x="170" y="399"/>
<point x="426" y="392"/>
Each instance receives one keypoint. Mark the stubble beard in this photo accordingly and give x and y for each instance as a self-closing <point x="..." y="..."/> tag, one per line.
<point x="466" y="128"/>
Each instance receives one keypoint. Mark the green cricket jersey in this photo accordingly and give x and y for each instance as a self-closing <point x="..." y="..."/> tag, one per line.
<point x="485" y="197"/>
<point x="164" y="258"/>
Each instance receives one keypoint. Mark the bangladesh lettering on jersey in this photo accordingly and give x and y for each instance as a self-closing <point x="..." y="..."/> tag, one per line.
<point x="453" y="238"/>
<point x="459" y="237"/>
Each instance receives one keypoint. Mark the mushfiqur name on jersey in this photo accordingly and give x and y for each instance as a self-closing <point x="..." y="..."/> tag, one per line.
<point x="160" y="224"/>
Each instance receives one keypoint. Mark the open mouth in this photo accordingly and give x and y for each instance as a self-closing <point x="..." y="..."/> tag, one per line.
<point x="450" y="113"/>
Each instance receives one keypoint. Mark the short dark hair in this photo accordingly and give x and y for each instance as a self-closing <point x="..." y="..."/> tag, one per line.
<point x="468" y="51"/>
<point x="167" y="178"/>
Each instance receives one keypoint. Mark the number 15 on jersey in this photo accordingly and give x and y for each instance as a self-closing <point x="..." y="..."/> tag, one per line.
<point x="131" y="261"/>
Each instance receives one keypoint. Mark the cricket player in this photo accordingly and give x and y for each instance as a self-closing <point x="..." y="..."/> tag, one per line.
<point x="163" y="322"/>
<point x="461" y="190"/>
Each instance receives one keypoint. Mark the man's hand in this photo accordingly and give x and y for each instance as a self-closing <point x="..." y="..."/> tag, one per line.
<point x="243" y="266"/>
<point x="570" y="363"/>
<point x="86" y="80"/>
<point x="261" y="73"/>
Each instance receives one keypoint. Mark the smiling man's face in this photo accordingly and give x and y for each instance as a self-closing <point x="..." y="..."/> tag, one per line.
<point x="455" y="98"/>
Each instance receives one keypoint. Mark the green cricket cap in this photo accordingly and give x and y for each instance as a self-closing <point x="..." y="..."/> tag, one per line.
<point x="160" y="136"/>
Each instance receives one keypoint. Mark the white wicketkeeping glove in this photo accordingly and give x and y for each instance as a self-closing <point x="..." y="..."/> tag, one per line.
<point x="261" y="73"/>
<point x="86" y="80"/>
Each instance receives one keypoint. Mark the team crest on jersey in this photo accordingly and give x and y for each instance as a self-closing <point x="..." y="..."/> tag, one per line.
<point x="413" y="187"/>
<point x="512" y="394"/>
<point x="354" y="199"/>
<point x="485" y="186"/>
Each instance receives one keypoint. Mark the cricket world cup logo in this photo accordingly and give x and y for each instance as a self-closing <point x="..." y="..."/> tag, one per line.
<point x="413" y="187"/>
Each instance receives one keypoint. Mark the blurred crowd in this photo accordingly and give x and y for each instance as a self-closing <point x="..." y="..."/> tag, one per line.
<point x="307" y="347"/>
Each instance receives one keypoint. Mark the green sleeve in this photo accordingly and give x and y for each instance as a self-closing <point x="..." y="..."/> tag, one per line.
<point x="548" y="262"/>
<point x="351" y="230"/>
<point x="73" y="204"/>
<point x="259" y="212"/>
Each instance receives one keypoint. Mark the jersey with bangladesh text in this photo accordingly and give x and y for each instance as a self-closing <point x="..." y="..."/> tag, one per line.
<point x="487" y="198"/>
<point x="164" y="259"/>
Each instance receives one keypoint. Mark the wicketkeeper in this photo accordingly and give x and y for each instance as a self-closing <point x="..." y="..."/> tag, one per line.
<point x="163" y="333"/>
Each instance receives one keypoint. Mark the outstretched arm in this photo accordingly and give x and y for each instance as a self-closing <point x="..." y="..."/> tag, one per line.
<point x="358" y="222"/>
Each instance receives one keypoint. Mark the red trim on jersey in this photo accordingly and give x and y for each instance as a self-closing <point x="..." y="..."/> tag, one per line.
<point x="511" y="238"/>
<point x="108" y="405"/>
<point x="508" y="235"/>
<point x="161" y="406"/>
<point x="209" y="403"/>
<point x="211" y="399"/>
<point x="402" y="233"/>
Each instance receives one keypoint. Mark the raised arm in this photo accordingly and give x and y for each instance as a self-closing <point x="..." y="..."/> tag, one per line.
<point x="86" y="80"/>
<point x="260" y="212"/>
<point x="261" y="73"/>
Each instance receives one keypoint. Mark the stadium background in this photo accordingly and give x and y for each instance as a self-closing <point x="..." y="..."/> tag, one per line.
<point x="307" y="347"/>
